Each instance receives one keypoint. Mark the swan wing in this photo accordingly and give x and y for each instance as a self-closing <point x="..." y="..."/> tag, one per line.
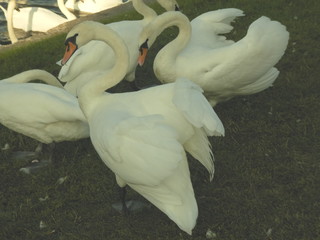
<point x="189" y="99"/>
<point x="140" y="150"/>
<point x="218" y="21"/>
<point x="222" y="71"/>
<point x="35" y="102"/>
<point x="42" y="112"/>
<point x="144" y="153"/>
<point x="207" y="27"/>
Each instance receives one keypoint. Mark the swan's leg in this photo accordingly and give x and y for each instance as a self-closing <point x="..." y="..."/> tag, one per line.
<point x="126" y="207"/>
<point x="123" y="193"/>
<point x="40" y="160"/>
<point x="122" y="206"/>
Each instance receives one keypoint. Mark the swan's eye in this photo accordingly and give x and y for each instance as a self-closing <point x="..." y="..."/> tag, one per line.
<point x="72" y="39"/>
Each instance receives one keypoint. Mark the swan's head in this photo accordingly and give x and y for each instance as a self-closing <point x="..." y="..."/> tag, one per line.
<point x="143" y="50"/>
<point x="169" y="5"/>
<point x="78" y="36"/>
<point x="152" y="30"/>
<point x="147" y="37"/>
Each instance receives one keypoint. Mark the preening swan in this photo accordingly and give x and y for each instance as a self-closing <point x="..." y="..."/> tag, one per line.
<point x="93" y="6"/>
<point x="142" y="136"/>
<point x="46" y="113"/>
<point x="38" y="19"/>
<point x="97" y="56"/>
<point x="241" y="68"/>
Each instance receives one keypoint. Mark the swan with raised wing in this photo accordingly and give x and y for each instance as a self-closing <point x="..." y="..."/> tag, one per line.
<point x="241" y="68"/>
<point x="38" y="19"/>
<point x="97" y="56"/>
<point x="142" y="136"/>
<point x="44" y="112"/>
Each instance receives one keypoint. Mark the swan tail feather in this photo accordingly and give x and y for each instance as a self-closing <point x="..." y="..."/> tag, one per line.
<point x="174" y="197"/>
<point x="190" y="100"/>
<point x="200" y="148"/>
<point x="261" y="84"/>
<point x="271" y="36"/>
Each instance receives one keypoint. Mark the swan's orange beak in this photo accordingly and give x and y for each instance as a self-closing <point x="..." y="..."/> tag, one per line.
<point x="142" y="56"/>
<point x="70" y="49"/>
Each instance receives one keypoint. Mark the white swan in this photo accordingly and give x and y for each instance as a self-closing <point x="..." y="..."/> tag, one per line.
<point x="142" y="136"/>
<point x="241" y="68"/>
<point x="92" y="6"/>
<point x="38" y="19"/>
<point x="97" y="56"/>
<point x="46" y="113"/>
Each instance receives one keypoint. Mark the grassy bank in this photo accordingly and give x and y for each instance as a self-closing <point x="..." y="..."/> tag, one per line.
<point x="267" y="166"/>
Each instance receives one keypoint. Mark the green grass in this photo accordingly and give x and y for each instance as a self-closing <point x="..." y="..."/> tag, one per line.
<point x="267" y="166"/>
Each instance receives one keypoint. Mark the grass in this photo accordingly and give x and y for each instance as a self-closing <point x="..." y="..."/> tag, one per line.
<point x="267" y="181"/>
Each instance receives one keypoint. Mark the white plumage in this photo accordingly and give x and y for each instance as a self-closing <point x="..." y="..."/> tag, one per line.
<point x="142" y="136"/>
<point x="46" y="113"/>
<point x="223" y="69"/>
<point x="92" y="6"/>
<point x="38" y="19"/>
<point x="97" y="56"/>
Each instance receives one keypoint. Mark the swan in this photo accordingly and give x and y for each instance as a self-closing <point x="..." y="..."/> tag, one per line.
<point x="97" y="56"/>
<point x="142" y="136"/>
<point x="241" y="68"/>
<point x="38" y="19"/>
<point x="46" y="113"/>
<point x="92" y="6"/>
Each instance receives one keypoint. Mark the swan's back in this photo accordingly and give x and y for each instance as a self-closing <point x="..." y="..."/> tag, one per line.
<point x="42" y="112"/>
<point x="36" y="19"/>
<point x="92" y="6"/>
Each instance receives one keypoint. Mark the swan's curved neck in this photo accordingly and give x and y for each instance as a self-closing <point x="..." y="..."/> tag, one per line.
<point x="166" y="57"/>
<point x="9" y="16"/>
<point x="96" y="87"/>
<point x="35" y="74"/>
<point x="143" y="9"/>
<point x="65" y="10"/>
